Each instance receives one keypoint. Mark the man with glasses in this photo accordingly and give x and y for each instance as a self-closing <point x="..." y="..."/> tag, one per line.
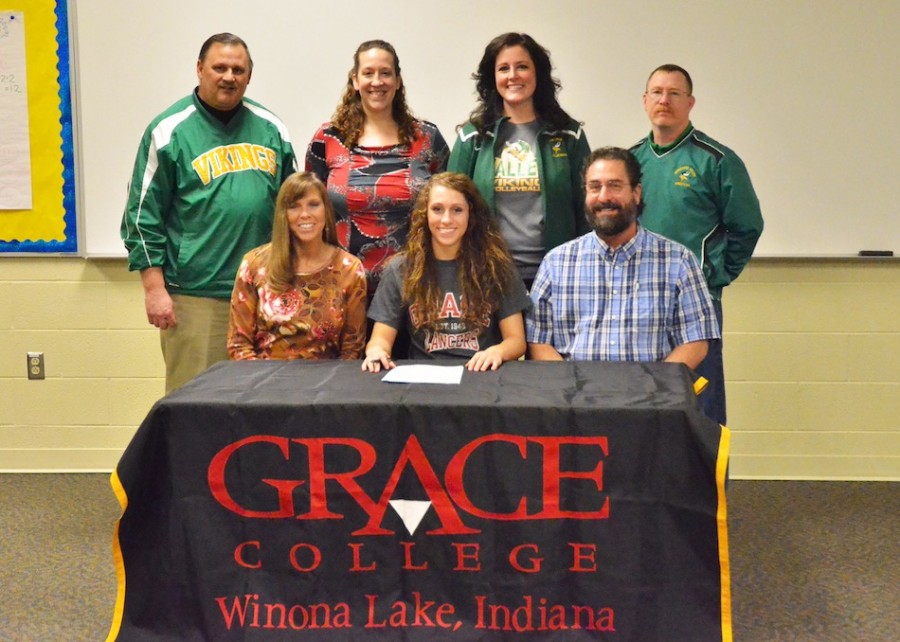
<point x="697" y="192"/>
<point x="620" y="292"/>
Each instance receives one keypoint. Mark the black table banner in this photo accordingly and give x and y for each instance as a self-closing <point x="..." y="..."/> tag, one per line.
<point x="311" y="501"/>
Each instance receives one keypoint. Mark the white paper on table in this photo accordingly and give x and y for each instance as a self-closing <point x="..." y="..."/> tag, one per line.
<point x="15" y="148"/>
<point x="424" y="374"/>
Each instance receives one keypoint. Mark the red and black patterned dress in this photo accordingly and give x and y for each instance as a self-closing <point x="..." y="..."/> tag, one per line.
<point x="373" y="190"/>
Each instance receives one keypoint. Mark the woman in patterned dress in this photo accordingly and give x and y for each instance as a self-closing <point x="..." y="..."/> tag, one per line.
<point x="374" y="157"/>
<point x="300" y="296"/>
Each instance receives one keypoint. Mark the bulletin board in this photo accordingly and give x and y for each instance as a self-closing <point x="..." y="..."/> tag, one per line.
<point x="38" y="213"/>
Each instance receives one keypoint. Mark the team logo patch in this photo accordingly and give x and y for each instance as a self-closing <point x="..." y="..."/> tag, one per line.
<point x="557" y="149"/>
<point x="685" y="176"/>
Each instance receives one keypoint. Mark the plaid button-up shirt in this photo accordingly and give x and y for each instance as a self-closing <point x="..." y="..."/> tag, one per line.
<point x="635" y="303"/>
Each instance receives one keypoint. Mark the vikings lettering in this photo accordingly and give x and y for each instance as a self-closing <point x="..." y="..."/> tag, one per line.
<point x="447" y="493"/>
<point x="234" y="158"/>
<point x="517" y="184"/>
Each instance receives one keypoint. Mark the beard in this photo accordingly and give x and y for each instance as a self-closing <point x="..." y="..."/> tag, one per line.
<point x="606" y="225"/>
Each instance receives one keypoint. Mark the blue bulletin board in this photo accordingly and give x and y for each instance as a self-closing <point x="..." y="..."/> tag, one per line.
<point x="50" y="224"/>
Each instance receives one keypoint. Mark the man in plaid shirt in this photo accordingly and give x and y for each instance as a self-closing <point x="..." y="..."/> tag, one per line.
<point x="620" y="292"/>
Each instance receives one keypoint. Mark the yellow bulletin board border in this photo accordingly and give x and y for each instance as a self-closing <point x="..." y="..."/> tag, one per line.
<point x="51" y="226"/>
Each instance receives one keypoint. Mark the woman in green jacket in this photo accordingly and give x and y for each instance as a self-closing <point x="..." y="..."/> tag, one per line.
<point x="524" y="152"/>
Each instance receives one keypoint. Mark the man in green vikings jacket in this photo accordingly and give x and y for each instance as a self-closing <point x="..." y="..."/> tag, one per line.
<point x="202" y="194"/>
<point x="697" y="192"/>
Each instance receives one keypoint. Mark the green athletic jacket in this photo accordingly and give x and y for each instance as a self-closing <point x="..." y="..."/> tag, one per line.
<point x="560" y="163"/>
<point x="698" y="192"/>
<point x="203" y="194"/>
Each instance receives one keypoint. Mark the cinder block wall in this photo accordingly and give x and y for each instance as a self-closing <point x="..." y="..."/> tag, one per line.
<point x="812" y="356"/>
<point x="102" y="360"/>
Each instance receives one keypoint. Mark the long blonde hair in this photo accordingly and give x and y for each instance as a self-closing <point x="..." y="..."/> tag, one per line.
<point x="485" y="267"/>
<point x="282" y="253"/>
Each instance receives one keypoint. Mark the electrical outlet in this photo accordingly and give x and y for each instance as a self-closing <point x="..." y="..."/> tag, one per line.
<point x="35" y="365"/>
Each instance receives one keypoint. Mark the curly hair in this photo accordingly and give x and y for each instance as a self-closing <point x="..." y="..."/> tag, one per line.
<point x="485" y="267"/>
<point x="349" y="117"/>
<point x="490" y="104"/>
<point x="282" y="253"/>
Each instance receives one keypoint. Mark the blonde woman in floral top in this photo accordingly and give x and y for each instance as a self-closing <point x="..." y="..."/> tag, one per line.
<point x="300" y="296"/>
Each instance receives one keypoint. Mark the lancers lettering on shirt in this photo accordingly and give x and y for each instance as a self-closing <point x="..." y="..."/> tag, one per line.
<point x="440" y="341"/>
<point x="234" y="158"/>
<point x="451" y="334"/>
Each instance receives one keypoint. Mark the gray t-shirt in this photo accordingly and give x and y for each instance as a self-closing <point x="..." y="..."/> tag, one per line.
<point x="453" y="338"/>
<point x="517" y="195"/>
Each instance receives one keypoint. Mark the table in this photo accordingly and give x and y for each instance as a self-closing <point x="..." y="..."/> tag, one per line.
<point x="311" y="501"/>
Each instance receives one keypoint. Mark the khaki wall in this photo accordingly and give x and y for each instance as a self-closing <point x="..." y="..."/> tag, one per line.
<point x="812" y="357"/>
<point x="103" y="363"/>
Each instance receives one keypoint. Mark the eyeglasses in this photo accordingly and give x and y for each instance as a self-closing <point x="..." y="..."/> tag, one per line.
<point x="612" y="187"/>
<point x="674" y="95"/>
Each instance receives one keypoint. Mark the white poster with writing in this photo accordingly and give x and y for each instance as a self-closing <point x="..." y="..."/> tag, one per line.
<point x="15" y="150"/>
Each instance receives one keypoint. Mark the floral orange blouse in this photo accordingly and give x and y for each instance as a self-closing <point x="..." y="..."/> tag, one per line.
<point x="322" y="317"/>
